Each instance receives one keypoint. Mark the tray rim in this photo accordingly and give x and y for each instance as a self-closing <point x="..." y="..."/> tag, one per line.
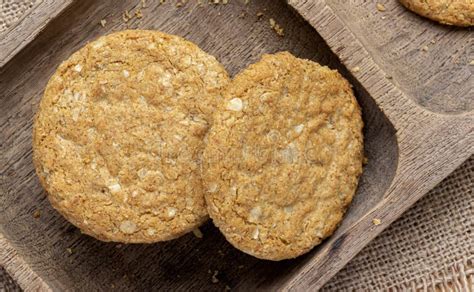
<point x="405" y="115"/>
<point x="29" y="280"/>
<point x="18" y="269"/>
<point x="28" y="27"/>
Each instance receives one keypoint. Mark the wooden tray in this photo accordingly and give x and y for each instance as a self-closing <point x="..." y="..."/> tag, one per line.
<point x="417" y="106"/>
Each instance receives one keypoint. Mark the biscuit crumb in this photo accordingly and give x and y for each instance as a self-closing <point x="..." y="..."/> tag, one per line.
<point x="259" y="15"/>
<point x="69" y="250"/>
<point x="433" y="41"/>
<point x="388" y="76"/>
<point x="227" y="288"/>
<point x="376" y="221"/>
<point x="103" y="22"/>
<point x="37" y="214"/>
<point x="241" y="266"/>
<point x="365" y="160"/>
<point x="356" y="69"/>
<point x="118" y="246"/>
<point x="162" y="1"/>
<point x="214" y="279"/>
<point x="276" y="27"/>
<point x="197" y="232"/>
<point x="138" y="13"/>
<point x="143" y="3"/>
<point x="424" y="48"/>
<point x="380" y="7"/>
<point x="126" y="16"/>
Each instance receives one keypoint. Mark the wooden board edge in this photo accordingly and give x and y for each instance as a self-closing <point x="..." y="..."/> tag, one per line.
<point x="29" y="26"/>
<point x="18" y="269"/>
<point x="393" y="102"/>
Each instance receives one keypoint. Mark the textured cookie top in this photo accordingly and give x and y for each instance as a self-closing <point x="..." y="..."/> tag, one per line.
<point x="458" y="12"/>
<point x="119" y="135"/>
<point x="283" y="157"/>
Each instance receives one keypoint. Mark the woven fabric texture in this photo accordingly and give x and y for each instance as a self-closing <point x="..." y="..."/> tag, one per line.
<point x="430" y="248"/>
<point x="12" y="10"/>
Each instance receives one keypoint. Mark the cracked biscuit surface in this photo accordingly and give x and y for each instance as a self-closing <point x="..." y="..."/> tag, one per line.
<point x="283" y="157"/>
<point x="118" y="136"/>
<point x="457" y="12"/>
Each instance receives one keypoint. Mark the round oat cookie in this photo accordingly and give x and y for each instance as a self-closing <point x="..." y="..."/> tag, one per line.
<point x="457" y="12"/>
<point x="283" y="157"/>
<point x="118" y="136"/>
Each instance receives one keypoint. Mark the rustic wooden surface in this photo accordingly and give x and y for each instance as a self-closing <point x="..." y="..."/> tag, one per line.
<point x="410" y="148"/>
<point x="19" y="269"/>
<point x="27" y="28"/>
<point x="429" y="62"/>
<point x="428" y="97"/>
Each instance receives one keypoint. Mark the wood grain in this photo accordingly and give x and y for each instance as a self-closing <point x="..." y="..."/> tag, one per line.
<point x="19" y="269"/>
<point x="427" y="61"/>
<point x="28" y="27"/>
<point x="431" y="143"/>
<point x="410" y="149"/>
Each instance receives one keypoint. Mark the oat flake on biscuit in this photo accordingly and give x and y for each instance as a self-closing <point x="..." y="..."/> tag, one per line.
<point x="119" y="134"/>
<point x="283" y="158"/>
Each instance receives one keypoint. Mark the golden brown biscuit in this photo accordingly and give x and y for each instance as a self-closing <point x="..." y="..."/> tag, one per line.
<point x="457" y="12"/>
<point x="283" y="157"/>
<point x="119" y="134"/>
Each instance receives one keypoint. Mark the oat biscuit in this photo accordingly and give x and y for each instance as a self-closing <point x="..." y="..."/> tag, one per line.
<point x="458" y="12"/>
<point x="283" y="157"/>
<point x="119" y="134"/>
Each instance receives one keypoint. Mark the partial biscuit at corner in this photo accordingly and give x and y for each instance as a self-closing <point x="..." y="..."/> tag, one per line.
<point x="459" y="12"/>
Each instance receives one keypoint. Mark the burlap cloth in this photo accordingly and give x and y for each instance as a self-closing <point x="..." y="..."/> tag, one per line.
<point x="431" y="247"/>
